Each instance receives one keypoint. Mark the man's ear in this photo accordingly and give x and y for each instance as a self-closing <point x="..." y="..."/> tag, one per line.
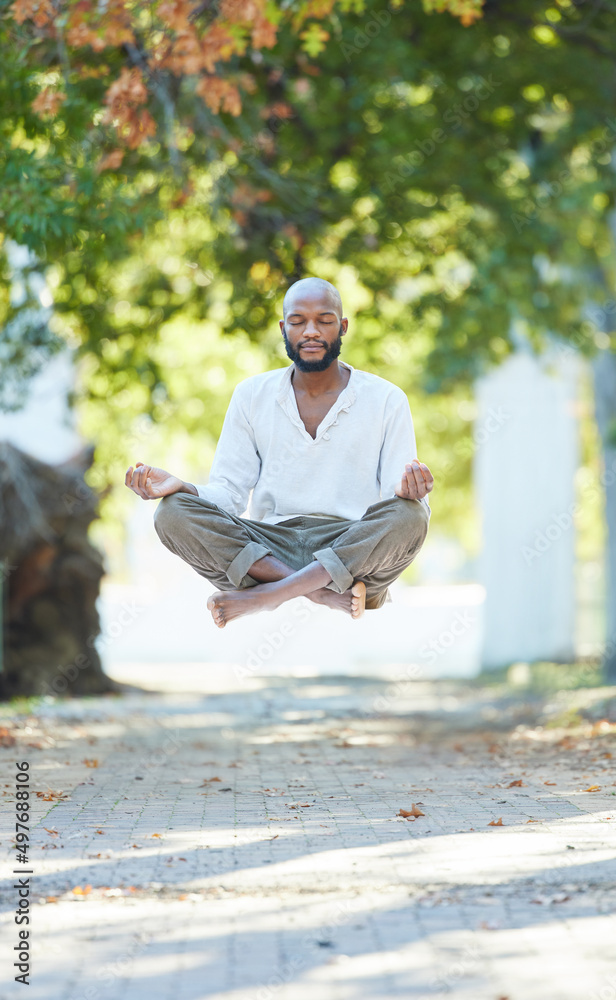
<point x="345" y="325"/>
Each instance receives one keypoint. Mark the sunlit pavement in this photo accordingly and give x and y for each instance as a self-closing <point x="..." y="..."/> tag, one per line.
<point x="247" y="844"/>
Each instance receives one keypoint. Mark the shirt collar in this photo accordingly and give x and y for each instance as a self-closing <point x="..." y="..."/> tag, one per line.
<point x="286" y="386"/>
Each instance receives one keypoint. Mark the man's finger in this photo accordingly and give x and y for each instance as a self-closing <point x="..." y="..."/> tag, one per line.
<point x="428" y="477"/>
<point x="137" y="483"/>
<point x="144" y="472"/>
<point x="420" y="481"/>
<point x="415" y="479"/>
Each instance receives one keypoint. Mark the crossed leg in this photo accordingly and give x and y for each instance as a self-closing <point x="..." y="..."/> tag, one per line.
<point x="349" y="558"/>
<point x="230" y="604"/>
<point x="237" y="555"/>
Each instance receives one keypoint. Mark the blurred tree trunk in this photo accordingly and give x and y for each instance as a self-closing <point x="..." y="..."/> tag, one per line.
<point x="51" y="578"/>
<point x="604" y="371"/>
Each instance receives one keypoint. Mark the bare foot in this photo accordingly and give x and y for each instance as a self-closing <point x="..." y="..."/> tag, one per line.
<point x="226" y="605"/>
<point x="352" y="601"/>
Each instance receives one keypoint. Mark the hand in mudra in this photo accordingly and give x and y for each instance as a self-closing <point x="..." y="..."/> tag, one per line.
<point x="151" y="483"/>
<point x="417" y="481"/>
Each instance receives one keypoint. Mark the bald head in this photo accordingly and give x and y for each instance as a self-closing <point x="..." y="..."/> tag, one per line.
<point x="312" y="288"/>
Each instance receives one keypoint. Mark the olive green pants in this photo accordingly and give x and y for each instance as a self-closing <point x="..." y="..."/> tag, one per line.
<point x="222" y="547"/>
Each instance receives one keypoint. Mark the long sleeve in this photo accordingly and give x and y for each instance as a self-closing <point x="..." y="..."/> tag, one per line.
<point x="236" y="465"/>
<point x="399" y="446"/>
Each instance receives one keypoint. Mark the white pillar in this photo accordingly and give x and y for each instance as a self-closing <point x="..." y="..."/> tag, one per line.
<point x="525" y="461"/>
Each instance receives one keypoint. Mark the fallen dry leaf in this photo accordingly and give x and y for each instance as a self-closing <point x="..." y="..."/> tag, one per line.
<point x="533" y="820"/>
<point x="593" y="788"/>
<point x="6" y="737"/>
<point x="91" y="761"/>
<point x="207" y="780"/>
<point x="516" y="784"/>
<point x="78" y="891"/>
<point x="99" y="831"/>
<point x="49" y="796"/>
<point x="413" y="812"/>
<point x="157" y="834"/>
<point x="496" y="822"/>
<point x="549" y="782"/>
<point x="53" y="831"/>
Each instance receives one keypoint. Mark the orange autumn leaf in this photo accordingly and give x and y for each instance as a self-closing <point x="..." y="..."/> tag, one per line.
<point x="175" y="14"/>
<point x="78" y="891"/>
<point x="414" y="811"/>
<point x="280" y="109"/>
<point x="593" y="788"/>
<point x="91" y="762"/>
<point x="549" y="782"/>
<point x="123" y="98"/>
<point x="264" y="34"/>
<point x="50" y="796"/>
<point x="496" y="822"/>
<point x="516" y="784"/>
<point x="240" y="11"/>
<point x="41" y="12"/>
<point x="216" y="45"/>
<point x="219" y="95"/>
<point x="128" y="89"/>
<point x="206" y="780"/>
<point x="48" y="102"/>
<point x="111" y="161"/>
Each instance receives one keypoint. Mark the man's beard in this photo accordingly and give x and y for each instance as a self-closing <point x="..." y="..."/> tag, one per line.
<point x="331" y="353"/>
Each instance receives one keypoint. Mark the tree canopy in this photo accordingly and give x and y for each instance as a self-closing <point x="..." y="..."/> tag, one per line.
<point x="449" y="163"/>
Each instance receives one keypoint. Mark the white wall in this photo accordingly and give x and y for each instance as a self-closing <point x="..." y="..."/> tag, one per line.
<point x="526" y="457"/>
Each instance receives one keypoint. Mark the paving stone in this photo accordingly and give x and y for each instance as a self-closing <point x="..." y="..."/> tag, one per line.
<point x="303" y="878"/>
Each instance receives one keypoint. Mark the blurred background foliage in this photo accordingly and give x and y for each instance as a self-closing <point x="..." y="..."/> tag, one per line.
<point x="175" y="166"/>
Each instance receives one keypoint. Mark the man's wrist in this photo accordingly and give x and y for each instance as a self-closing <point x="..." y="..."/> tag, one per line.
<point x="189" y="488"/>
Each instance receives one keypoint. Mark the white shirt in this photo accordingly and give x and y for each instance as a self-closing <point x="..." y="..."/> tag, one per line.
<point x="268" y="467"/>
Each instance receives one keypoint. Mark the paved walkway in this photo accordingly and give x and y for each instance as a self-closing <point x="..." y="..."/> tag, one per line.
<point x="249" y="845"/>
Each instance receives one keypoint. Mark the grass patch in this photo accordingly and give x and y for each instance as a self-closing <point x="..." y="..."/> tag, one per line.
<point x="543" y="677"/>
<point x="21" y="705"/>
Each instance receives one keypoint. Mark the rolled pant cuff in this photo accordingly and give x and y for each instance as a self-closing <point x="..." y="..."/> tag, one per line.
<point x="244" y="560"/>
<point x="341" y="578"/>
